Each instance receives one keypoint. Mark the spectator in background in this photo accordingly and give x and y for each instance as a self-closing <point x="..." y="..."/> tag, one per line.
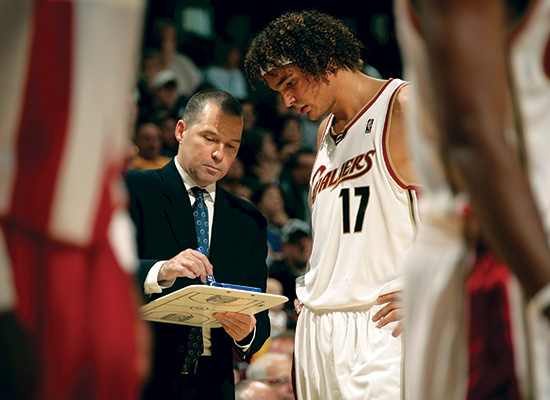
<point x="259" y="153"/>
<point x="371" y="71"/>
<point x="290" y="139"/>
<point x="264" y="163"/>
<point x="277" y="314"/>
<point x="151" y="64"/>
<point x="236" y="372"/>
<point x="226" y="73"/>
<point x="188" y="75"/>
<point x="165" y="97"/>
<point x="275" y="370"/>
<point x="130" y="149"/>
<point x="233" y="180"/>
<point x="281" y="339"/>
<point x="296" y="245"/>
<point x="250" y="115"/>
<point x="148" y="141"/>
<point x="309" y="127"/>
<point x="294" y="184"/>
<point x="283" y="342"/>
<point x="168" y="124"/>
<point x="254" y="390"/>
<point x="250" y="126"/>
<point x="268" y="199"/>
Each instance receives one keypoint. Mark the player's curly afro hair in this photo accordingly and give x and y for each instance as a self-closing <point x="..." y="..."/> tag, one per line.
<point x="315" y="42"/>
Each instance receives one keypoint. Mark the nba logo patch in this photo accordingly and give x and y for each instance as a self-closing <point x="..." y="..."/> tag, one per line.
<point x="369" y="125"/>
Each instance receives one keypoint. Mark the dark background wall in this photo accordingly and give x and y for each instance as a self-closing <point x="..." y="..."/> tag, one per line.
<point x="372" y="21"/>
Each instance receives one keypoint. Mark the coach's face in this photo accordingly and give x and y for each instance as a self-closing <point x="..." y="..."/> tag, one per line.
<point x="209" y="146"/>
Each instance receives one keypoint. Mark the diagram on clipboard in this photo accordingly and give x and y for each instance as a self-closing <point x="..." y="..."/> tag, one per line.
<point x="195" y="304"/>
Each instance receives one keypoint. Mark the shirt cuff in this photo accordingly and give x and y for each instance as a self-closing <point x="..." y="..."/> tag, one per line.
<point x="244" y="348"/>
<point x="152" y="284"/>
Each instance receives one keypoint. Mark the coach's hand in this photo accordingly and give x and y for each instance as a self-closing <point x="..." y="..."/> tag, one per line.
<point x="392" y="311"/>
<point x="237" y="325"/>
<point x="189" y="263"/>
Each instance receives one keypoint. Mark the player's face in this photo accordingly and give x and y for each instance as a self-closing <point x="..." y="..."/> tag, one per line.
<point x="305" y="94"/>
<point x="208" y="147"/>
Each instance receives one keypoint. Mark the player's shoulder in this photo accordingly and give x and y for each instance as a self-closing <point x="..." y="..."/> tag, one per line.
<point x="403" y="97"/>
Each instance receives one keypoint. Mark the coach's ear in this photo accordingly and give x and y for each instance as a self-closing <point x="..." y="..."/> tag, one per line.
<point x="181" y="128"/>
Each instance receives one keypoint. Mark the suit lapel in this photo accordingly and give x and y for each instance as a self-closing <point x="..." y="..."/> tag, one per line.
<point x="178" y="209"/>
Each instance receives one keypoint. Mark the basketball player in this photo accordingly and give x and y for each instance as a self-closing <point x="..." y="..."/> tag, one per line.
<point x="480" y="131"/>
<point x="363" y="206"/>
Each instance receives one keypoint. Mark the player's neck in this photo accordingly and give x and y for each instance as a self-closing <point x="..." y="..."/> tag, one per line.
<point x="353" y="91"/>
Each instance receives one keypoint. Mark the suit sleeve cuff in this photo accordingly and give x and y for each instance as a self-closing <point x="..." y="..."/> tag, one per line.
<point x="152" y="284"/>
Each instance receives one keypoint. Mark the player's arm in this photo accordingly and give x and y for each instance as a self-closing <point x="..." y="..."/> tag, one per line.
<point x="398" y="142"/>
<point x="466" y="42"/>
<point x="403" y="165"/>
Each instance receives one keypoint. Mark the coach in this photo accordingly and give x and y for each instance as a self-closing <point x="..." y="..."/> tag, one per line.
<point x="234" y="242"/>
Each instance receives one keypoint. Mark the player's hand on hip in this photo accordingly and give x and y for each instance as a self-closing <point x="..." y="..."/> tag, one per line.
<point x="237" y="325"/>
<point x="391" y="312"/>
<point x="298" y="306"/>
<point x="189" y="263"/>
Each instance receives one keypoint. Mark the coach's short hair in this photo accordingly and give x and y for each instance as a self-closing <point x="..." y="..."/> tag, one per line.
<point x="227" y="103"/>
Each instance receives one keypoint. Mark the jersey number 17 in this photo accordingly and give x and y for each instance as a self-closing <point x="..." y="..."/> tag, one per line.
<point x="364" y="192"/>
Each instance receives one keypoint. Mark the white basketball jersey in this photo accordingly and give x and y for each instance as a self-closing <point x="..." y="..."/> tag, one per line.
<point x="363" y="213"/>
<point x="530" y="69"/>
<point x="530" y="62"/>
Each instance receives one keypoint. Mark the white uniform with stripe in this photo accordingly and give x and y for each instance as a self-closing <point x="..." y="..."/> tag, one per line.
<point x="363" y="219"/>
<point x="530" y="59"/>
<point x="436" y="350"/>
<point x="67" y="247"/>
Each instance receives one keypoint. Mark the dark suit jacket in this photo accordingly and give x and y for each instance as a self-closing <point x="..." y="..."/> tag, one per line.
<point x="161" y="211"/>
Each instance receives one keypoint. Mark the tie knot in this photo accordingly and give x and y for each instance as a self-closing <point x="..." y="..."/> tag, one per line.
<point x="198" y="192"/>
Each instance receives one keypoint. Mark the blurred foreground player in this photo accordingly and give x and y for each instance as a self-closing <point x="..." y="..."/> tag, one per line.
<point x="67" y="72"/>
<point x="481" y="136"/>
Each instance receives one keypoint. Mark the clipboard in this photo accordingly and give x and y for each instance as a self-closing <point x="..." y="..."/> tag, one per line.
<point x="195" y="304"/>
